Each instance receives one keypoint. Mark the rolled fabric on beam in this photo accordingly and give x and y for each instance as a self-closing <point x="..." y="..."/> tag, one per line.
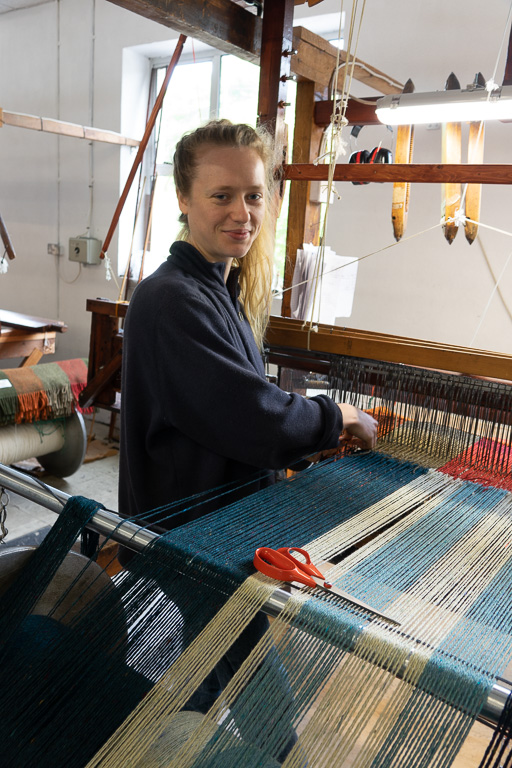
<point x="58" y="445"/>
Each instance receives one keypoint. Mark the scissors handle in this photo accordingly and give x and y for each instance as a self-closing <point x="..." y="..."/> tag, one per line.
<point x="306" y="567"/>
<point x="278" y="565"/>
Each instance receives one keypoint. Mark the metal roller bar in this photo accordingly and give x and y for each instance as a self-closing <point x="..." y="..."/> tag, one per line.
<point x="136" y="538"/>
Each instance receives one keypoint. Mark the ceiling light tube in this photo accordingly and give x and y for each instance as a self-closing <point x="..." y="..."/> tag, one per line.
<point x="458" y="106"/>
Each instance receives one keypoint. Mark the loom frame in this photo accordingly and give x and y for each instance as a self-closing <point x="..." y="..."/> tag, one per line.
<point x="129" y="534"/>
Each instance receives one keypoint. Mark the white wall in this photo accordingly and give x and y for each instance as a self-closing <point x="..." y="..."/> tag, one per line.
<point x="422" y="288"/>
<point x="44" y="179"/>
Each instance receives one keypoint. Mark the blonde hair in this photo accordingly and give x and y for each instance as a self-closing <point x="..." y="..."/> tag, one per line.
<point x="256" y="266"/>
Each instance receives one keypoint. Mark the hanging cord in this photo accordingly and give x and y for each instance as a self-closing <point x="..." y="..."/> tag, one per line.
<point x="91" y="117"/>
<point x="495" y="288"/>
<point x="149" y="223"/>
<point x="141" y="184"/>
<point x="124" y="285"/>
<point x="504" y="302"/>
<point x="338" y="122"/>
<point x="279" y="294"/>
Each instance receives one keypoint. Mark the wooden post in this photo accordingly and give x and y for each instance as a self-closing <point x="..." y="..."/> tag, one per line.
<point x="304" y="215"/>
<point x="276" y="52"/>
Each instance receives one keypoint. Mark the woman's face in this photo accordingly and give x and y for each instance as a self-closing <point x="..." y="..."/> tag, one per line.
<point x="226" y="204"/>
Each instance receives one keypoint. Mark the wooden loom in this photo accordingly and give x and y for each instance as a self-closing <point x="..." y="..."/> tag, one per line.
<point x="289" y="344"/>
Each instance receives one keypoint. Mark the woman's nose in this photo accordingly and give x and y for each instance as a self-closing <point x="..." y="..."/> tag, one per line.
<point x="240" y="211"/>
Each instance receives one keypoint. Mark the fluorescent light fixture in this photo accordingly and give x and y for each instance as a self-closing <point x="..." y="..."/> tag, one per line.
<point x="457" y="106"/>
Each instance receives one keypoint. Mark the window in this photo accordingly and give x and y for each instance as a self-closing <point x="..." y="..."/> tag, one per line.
<point x="204" y="85"/>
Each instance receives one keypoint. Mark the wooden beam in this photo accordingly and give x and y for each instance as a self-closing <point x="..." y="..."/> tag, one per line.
<point x="356" y="114"/>
<point x="32" y="359"/>
<point x="16" y="343"/>
<point x="220" y="23"/>
<point x="100" y="380"/>
<point x="316" y="59"/>
<point x="233" y="29"/>
<point x="275" y="67"/>
<point x="107" y="307"/>
<point x="62" y="128"/>
<point x="291" y="334"/>
<point x="303" y="215"/>
<point x="422" y="173"/>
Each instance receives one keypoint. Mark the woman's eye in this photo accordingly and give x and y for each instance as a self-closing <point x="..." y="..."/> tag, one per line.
<point x="221" y="197"/>
<point x="255" y="196"/>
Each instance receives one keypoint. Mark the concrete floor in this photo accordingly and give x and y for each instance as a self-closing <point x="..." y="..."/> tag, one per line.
<point x="28" y="523"/>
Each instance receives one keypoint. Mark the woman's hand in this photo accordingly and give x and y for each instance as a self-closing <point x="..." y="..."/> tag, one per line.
<point x="359" y="428"/>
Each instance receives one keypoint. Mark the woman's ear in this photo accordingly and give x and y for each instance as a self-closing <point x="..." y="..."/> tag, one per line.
<point x="182" y="202"/>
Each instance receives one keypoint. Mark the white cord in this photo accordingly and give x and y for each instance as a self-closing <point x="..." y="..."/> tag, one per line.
<point x="484" y="313"/>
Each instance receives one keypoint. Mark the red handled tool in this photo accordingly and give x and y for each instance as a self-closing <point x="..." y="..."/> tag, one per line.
<point x="280" y="564"/>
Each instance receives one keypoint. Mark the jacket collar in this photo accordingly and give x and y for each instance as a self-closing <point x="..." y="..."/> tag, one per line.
<point x="188" y="258"/>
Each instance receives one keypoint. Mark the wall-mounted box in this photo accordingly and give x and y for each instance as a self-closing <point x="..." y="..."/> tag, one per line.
<point x="86" y="250"/>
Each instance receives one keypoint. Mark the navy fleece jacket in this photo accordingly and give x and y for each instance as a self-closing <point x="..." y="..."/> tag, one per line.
<point x="197" y="411"/>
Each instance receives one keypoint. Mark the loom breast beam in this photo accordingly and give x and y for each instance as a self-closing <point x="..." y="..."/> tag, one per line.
<point x="401" y="189"/>
<point x="475" y="155"/>
<point x="136" y="538"/>
<point x="451" y="153"/>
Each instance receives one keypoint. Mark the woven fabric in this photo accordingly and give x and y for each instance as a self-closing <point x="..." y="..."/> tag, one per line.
<point x="41" y="392"/>
<point x="32" y="399"/>
<point x="8" y="400"/>
<point x="76" y="372"/>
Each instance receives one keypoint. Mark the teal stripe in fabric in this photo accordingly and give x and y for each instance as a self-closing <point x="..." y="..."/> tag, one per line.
<point x="398" y="564"/>
<point x="18" y="600"/>
<point x="291" y="513"/>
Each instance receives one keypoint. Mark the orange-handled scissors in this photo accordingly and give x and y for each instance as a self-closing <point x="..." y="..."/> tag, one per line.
<point x="280" y="564"/>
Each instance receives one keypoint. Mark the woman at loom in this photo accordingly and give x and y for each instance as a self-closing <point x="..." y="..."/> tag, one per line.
<point x="198" y="416"/>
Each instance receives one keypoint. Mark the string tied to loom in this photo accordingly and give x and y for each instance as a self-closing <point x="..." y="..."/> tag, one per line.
<point x="491" y="85"/>
<point x="108" y="267"/>
<point x="459" y="219"/>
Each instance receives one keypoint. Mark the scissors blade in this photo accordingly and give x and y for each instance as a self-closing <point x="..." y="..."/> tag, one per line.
<point x="354" y="600"/>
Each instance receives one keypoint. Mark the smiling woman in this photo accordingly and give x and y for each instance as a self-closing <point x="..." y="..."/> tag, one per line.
<point x="198" y="416"/>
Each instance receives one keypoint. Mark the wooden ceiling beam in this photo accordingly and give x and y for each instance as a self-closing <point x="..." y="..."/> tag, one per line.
<point x="233" y="29"/>
<point x="220" y="23"/>
<point x="316" y="59"/>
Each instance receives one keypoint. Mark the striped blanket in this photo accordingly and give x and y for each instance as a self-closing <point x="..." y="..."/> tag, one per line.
<point x="41" y="392"/>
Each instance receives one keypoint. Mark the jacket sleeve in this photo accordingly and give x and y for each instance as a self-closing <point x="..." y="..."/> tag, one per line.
<point x="206" y="387"/>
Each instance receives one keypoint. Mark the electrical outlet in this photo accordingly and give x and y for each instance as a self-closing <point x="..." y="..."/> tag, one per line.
<point x="86" y="250"/>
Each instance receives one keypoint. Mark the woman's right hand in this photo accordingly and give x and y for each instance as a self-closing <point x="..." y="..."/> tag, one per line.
<point x="359" y="428"/>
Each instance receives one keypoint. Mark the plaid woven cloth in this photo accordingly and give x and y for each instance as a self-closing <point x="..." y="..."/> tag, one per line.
<point x="40" y="392"/>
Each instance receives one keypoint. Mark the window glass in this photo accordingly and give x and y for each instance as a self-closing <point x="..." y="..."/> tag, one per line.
<point x="239" y="84"/>
<point x="186" y="105"/>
